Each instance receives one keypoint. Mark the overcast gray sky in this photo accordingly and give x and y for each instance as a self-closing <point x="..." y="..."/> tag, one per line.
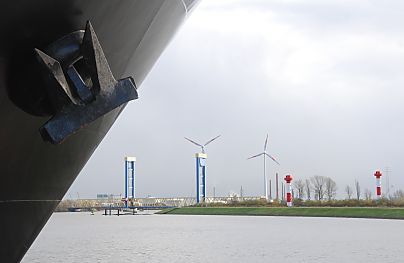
<point x="323" y="78"/>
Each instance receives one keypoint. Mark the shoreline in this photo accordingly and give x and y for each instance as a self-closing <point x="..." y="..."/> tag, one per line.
<point x="337" y="212"/>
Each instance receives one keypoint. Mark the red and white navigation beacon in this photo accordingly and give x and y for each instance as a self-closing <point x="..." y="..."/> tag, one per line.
<point x="288" y="179"/>
<point x="378" y="174"/>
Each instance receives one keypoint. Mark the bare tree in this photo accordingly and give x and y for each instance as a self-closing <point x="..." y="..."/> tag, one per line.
<point x="348" y="191"/>
<point x="357" y="190"/>
<point x="318" y="183"/>
<point x="330" y="188"/>
<point x="299" y="186"/>
<point x="368" y="194"/>
<point x="308" y="189"/>
<point x="398" y="195"/>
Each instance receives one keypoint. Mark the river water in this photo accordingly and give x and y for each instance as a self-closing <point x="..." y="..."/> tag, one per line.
<point x="81" y="237"/>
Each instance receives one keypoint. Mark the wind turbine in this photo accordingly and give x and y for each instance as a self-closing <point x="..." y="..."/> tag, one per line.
<point x="265" y="154"/>
<point x="200" y="145"/>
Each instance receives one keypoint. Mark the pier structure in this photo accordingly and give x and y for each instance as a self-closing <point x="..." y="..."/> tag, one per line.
<point x="130" y="166"/>
<point x="200" y="177"/>
<point x="378" y="176"/>
<point x="289" y="201"/>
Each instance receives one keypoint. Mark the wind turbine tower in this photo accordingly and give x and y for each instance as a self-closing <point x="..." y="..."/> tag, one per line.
<point x="265" y="155"/>
<point x="201" y="170"/>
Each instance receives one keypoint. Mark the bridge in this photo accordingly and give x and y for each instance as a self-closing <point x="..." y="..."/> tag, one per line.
<point x="148" y="203"/>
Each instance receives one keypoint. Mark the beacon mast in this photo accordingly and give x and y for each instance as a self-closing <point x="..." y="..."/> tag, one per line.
<point x="288" y="179"/>
<point x="378" y="176"/>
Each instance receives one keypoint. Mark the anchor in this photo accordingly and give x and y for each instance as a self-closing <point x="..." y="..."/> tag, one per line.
<point x="79" y="84"/>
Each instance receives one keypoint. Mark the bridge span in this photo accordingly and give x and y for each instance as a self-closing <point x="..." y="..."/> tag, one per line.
<point x="147" y="203"/>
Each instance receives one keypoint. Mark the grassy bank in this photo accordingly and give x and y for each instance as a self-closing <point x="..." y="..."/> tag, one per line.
<point x="352" y="212"/>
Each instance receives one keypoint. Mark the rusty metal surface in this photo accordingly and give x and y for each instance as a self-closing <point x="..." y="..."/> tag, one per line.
<point x="79" y="94"/>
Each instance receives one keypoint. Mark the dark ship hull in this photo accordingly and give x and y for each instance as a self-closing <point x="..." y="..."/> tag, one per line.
<point x="35" y="174"/>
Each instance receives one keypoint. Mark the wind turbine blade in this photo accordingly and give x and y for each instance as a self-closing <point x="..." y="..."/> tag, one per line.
<point x="273" y="159"/>
<point x="211" y="140"/>
<point x="197" y="144"/>
<point x="266" y="142"/>
<point x="255" y="156"/>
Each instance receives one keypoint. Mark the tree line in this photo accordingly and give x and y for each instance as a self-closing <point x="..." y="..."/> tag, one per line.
<point x="325" y="188"/>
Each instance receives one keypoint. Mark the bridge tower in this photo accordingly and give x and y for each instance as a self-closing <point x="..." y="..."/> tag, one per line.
<point x="200" y="177"/>
<point x="130" y="165"/>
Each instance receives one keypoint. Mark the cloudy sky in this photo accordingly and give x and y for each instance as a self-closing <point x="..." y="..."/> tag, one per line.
<point x="323" y="78"/>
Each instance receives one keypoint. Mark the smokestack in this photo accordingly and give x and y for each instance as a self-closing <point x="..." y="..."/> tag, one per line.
<point x="277" y="188"/>
<point x="270" y="189"/>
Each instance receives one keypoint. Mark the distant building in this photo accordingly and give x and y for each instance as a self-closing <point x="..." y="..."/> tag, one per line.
<point x="103" y="196"/>
<point x="108" y="197"/>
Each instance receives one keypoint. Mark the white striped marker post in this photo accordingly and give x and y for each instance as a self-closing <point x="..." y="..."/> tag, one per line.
<point x="378" y="174"/>
<point x="288" y="179"/>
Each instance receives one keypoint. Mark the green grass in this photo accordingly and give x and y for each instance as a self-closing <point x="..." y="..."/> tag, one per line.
<point x="352" y="212"/>
<point x="166" y="211"/>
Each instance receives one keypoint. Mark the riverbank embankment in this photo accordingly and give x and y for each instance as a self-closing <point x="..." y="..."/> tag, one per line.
<point x="347" y="212"/>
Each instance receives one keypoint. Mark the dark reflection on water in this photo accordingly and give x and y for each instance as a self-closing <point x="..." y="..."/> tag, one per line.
<point x="81" y="237"/>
